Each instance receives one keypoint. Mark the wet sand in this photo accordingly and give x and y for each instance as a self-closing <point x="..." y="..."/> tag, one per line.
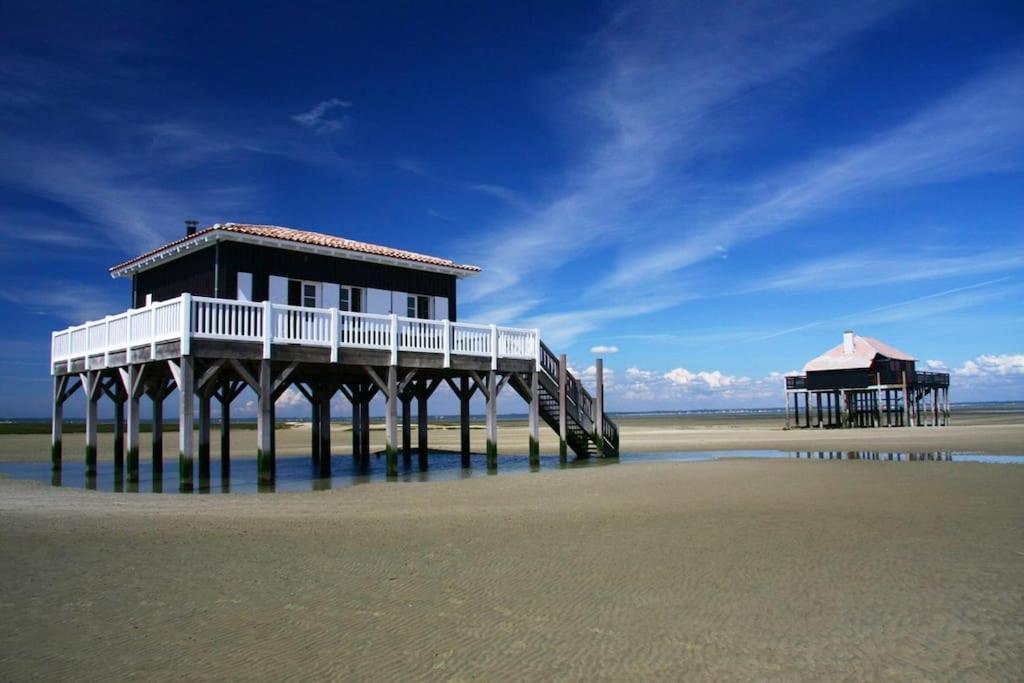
<point x="731" y="570"/>
<point x="770" y="570"/>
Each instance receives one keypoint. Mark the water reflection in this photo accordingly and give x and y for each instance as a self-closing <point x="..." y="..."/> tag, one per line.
<point x="300" y="474"/>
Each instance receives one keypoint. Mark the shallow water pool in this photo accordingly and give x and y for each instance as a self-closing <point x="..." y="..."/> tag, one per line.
<point x="296" y="473"/>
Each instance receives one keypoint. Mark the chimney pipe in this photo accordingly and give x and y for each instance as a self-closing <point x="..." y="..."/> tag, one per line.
<point x="848" y="342"/>
<point x="190" y="227"/>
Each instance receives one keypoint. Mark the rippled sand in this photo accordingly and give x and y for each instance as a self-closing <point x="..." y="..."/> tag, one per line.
<point x="791" y="569"/>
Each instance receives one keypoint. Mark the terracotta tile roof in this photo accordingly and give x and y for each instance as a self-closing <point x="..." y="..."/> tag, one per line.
<point x="864" y="351"/>
<point x="305" y="237"/>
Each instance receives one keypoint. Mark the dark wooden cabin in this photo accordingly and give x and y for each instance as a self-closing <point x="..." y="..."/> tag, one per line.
<point x="298" y="268"/>
<point x="864" y="382"/>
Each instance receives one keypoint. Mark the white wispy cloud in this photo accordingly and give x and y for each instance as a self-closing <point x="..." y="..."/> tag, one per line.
<point x="869" y="269"/>
<point x="668" y="76"/>
<point x="602" y="348"/>
<point x="977" y="129"/>
<point x="317" y="119"/>
<point x="70" y="302"/>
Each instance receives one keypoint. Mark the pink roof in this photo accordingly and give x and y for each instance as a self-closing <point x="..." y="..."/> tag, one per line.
<point x="864" y="351"/>
<point x="318" y="239"/>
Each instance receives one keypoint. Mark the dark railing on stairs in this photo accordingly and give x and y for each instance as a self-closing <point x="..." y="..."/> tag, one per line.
<point x="581" y="406"/>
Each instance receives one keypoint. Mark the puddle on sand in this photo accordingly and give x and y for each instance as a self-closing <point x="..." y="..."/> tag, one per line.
<point x="296" y="473"/>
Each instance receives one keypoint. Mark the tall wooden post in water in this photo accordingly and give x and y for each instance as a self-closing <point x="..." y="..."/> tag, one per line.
<point x="563" y="425"/>
<point x="534" y="419"/>
<point x="599" y="407"/>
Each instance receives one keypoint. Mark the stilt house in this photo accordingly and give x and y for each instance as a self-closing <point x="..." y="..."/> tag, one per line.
<point x="235" y="305"/>
<point x="864" y="382"/>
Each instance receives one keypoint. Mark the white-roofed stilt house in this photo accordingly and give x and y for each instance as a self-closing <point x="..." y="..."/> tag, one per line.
<point x="864" y="382"/>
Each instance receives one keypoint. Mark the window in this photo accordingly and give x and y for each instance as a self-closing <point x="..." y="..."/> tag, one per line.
<point x="350" y="299"/>
<point x="309" y="297"/>
<point x="418" y="307"/>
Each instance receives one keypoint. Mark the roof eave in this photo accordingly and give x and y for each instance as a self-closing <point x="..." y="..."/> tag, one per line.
<point x="204" y="238"/>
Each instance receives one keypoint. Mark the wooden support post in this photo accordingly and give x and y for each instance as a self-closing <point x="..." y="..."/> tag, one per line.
<point x="57" y="425"/>
<point x="492" y="420"/>
<point x="225" y="433"/>
<point x="390" y="421"/>
<point x="325" y="434"/>
<point x="314" y="426"/>
<point x="465" y="394"/>
<point x="421" y="425"/>
<point x="204" y="438"/>
<point x="599" y="407"/>
<point x="186" y="438"/>
<point x="90" y="382"/>
<point x="807" y="409"/>
<point x="406" y="429"/>
<point x="357" y="438"/>
<point x="364" y="434"/>
<point x="534" y="418"/>
<point x="786" y="401"/>
<point x="265" y="462"/>
<point x="821" y="423"/>
<point x="118" y="398"/>
<point x="157" y="445"/>
<point x="563" y="423"/>
<point x="133" y="387"/>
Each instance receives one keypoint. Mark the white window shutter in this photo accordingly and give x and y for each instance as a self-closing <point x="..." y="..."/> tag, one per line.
<point x="440" y="308"/>
<point x="378" y="301"/>
<point x="329" y="294"/>
<point x="278" y="290"/>
<point x="244" y="287"/>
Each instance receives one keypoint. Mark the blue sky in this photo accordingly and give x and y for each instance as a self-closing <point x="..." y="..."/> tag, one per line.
<point x="716" y="192"/>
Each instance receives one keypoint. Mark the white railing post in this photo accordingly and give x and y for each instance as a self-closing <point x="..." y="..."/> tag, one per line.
<point x="268" y="312"/>
<point x="128" y="337"/>
<point x="106" y="341"/>
<point x="53" y="346"/>
<point x="494" y="347"/>
<point x="394" y="338"/>
<point x="334" y="335"/>
<point x="536" y="346"/>
<point x="186" y="324"/>
<point x="447" y="338"/>
<point x="152" y="327"/>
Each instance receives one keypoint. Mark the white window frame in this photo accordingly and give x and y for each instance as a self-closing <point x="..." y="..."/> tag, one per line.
<point x="316" y="293"/>
<point x="351" y="294"/>
<point x="412" y="307"/>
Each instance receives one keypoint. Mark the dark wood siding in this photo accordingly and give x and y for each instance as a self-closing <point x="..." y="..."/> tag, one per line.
<point x="195" y="273"/>
<point x="891" y="372"/>
<point x="263" y="262"/>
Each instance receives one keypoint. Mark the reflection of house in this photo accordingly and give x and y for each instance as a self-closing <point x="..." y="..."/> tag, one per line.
<point x="238" y="306"/>
<point x="864" y="382"/>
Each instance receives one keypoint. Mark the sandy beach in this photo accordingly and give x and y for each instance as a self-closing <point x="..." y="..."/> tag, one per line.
<point x="730" y="570"/>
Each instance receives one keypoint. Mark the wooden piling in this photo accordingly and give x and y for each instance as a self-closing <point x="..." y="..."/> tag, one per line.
<point x="204" y="437"/>
<point x="599" y="406"/>
<point x="492" y="420"/>
<point x="390" y="420"/>
<point x="57" y="424"/>
<point x="90" y="382"/>
<point x="563" y="426"/>
<point x="186" y="423"/>
<point x="465" y="394"/>
<point x="132" y="378"/>
<point x="421" y="425"/>
<point x="157" y="445"/>
<point x="534" y="418"/>
<point x="406" y="399"/>
<point x="117" y="396"/>
<point x="324" y="466"/>
<point x="225" y="432"/>
<point x="265" y="464"/>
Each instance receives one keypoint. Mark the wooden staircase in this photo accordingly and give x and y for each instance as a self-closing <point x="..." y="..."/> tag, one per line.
<point x="581" y="410"/>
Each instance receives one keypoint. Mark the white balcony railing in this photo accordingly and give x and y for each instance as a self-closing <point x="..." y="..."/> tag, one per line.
<point x="191" y="317"/>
